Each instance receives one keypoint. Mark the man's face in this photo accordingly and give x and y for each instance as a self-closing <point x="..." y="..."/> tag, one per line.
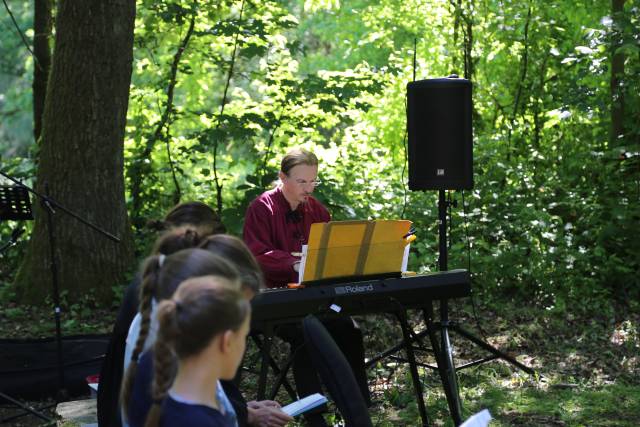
<point x="299" y="183"/>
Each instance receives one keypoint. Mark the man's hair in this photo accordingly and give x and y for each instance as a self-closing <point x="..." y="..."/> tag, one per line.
<point x="295" y="157"/>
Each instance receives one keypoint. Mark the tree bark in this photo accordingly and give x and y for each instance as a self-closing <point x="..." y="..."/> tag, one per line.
<point x="617" y="73"/>
<point x="82" y="153"/>
<point x="42" y="52"/>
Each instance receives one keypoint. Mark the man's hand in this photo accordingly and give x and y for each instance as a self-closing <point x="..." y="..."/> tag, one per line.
<point x="266" y="413"/>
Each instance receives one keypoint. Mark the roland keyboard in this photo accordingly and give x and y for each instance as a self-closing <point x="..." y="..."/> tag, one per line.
<point x="365" y="297"/>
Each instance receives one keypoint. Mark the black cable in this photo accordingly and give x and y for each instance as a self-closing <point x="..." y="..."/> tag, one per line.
<point x="450" y="213"/>
<point x="404" y="168"/>
<point x="473" y="303"/>
<point x="406" y="132"/>
<point x="415" y="48"/>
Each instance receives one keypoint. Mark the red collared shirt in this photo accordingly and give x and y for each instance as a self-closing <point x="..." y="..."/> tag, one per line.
<point x="272" y="232"/>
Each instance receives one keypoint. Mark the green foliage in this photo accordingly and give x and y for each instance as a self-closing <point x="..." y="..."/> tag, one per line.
<point x="16" y="67"/>
<point x="221" y="89"/>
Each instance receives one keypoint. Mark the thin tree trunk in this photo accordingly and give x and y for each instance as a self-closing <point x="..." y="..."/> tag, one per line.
<point x="524" y="66"/>
<point x="82" y="153"/>
<point x="617" y="72"/>
<point x="216" y="143"/>
<point x="42" y="52"/>
<point x="137" y="171"/>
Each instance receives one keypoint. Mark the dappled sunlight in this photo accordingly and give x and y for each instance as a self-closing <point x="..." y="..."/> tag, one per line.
<point x="211" y="94"/>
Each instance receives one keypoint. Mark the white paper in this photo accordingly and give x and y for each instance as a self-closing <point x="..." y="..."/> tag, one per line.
<point x="304" y="404"/>
<point x="405" y="258"/>
<point x="303" y="260"/>
<point x="481" y="419"/>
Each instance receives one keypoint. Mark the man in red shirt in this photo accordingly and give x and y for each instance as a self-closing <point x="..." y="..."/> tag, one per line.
<point x="277" y="224"/>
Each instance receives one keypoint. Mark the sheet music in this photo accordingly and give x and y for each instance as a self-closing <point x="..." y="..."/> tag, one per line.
<point x="355" y="248"/>
<point x="303" y="260"/>
<point x="405" y="258"/>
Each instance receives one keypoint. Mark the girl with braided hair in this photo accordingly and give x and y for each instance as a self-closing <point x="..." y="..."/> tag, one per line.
<point x="253" y="413"/>
<point x="170" y="242"/>
<point x="201" y="339"/>
<point x="161" y="277"/>
<point x="194" y="215"/>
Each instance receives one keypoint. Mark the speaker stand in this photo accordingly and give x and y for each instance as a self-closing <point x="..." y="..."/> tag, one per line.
<point x="442" y="349"/>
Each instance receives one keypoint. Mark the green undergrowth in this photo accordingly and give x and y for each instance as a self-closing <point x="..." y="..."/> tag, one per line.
<point x="587" y="363"/>
<point x="587" y="368"/>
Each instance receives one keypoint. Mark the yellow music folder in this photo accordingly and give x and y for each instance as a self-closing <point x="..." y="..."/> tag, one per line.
<point x="354" y="248"/>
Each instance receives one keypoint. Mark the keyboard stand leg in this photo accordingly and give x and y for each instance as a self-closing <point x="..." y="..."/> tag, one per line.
<point x="417" y="385"/>
<point x="281" y="380"/>
<point x="266" y="356"/>
<point x="281" y="373"/>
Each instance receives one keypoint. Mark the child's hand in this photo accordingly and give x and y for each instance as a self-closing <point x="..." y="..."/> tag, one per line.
<point x="266" y="413"/>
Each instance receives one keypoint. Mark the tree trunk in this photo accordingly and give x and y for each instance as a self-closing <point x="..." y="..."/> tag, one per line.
<point x="81" y="157"/>
<point x="617" y="73"/>
<point x="42" y="53"/>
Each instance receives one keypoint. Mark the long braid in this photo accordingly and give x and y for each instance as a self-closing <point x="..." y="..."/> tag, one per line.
<point x="161" y="277"/>
<point x="147" y="291"/>
<point x="164" y="359"/>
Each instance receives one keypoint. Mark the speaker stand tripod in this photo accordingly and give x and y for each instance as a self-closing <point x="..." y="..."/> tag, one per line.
<point x="442" y="347"/>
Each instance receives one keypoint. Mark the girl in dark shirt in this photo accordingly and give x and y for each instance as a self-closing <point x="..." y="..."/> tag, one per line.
<point x="175" y="269"/>
<point x="203" y="221"/>
<point x="201" y="339"/>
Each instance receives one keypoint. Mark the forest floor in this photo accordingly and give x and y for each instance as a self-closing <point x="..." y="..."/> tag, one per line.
<point x="587" y="364"/>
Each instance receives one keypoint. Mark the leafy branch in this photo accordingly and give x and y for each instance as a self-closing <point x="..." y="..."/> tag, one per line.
<point x="159" y="133"/>
<point x="223" y="103"/>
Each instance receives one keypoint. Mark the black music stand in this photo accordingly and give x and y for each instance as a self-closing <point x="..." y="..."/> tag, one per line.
<point x="50" y="206"/>
<point x="16" y="206"/>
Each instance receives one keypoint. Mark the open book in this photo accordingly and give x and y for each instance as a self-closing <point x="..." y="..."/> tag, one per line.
<point x="303" y="405"/>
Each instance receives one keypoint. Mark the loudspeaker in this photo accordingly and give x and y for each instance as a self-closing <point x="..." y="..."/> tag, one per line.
<point x="440" y="135"/>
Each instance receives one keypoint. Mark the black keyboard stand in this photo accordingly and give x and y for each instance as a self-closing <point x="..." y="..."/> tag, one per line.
<point x="264" y="346"/>
<point x="413" y="369"/>
<point x="395" y="296"/>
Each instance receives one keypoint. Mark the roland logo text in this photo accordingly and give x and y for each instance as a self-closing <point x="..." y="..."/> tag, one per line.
<point x="354" y="289"/>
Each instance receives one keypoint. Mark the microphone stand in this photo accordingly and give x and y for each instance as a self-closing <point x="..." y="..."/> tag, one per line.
<point x="55" y="205"/>
<point x="50" y="206"/>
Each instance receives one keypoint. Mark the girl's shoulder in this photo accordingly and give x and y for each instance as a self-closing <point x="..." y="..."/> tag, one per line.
<point x="175" y="413"/>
